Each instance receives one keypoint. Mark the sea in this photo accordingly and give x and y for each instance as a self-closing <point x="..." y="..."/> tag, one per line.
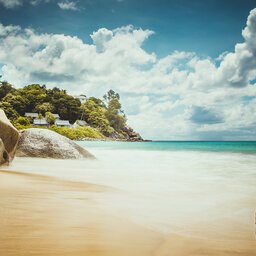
<point x="193" y="188"/>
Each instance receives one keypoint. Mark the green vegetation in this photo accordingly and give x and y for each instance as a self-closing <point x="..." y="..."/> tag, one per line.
<point x="50" y="118"/>
<point x="104" y="117"/>
<point x="95" y="117"/>
<point x="78" y="132"/>
<point x="114" y="113"/>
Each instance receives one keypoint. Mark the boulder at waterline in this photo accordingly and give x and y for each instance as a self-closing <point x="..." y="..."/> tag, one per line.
<point x="44" y="143"/>
<point x="9" y="137"/>
<point x="131" y="135"/>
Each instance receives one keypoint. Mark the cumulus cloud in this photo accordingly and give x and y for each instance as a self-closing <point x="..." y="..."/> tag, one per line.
<point x="11" y="3"/>
<point x="101" y="37"/>
<point x="67" y="5"/>
<point x="7" y="30"/>
<point x="179" y="96"/>
<point x="238" y="68"/>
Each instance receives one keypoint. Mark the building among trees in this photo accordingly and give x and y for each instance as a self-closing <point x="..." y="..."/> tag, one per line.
<point x="38" y="120"/>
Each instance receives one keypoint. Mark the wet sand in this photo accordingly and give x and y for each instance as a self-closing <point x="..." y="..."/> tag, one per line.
<point x="44" y="216"/>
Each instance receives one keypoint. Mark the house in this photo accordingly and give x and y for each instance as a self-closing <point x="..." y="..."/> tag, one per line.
<point x="43" y="122"/>
<point x="57" y="117"/>
<point x="62" y="123"/>
<point x="33" y="115"/>
<point x="40" y="122"/>
<point x="80" y="123"/>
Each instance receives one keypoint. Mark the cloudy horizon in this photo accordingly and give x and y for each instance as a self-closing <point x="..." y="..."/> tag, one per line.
<point x="182" y="95"/>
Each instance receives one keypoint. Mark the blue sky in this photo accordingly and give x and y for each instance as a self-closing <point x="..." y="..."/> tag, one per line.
<point x="206" y="27"/>
<point x="184" y="69"/>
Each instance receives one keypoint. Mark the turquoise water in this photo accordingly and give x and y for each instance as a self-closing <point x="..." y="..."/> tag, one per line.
<point x="212" y="146"/>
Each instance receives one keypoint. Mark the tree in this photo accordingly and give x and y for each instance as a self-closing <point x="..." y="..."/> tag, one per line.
<point x="5" y="88"/>
<point x="34" y="94"/>
<point x="68" y="107"/>
<point x="30" y="119"/>
<point x="114" y="112"/>
<point x="99" y="102"/>
<point x="44" y="107"/>
<point x="10" y="112"/>
<point x="40" y="116"/>
<point x="23" y="121"/>
<point x="50" y="118"/>
<point x="111" y="95"/>
<point x="116" y="120"/>
<point x="95" y="116"/>
<point x="16" y="101"/>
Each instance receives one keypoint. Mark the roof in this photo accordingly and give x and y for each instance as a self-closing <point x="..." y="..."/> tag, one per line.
<point x="31" y="114"/>
<point x="42" y="121"/>
<point x="82" y="123"/>
<point x="62" y="122"/>
<point x="56" y="115"/>
<point x="36" y="115"/>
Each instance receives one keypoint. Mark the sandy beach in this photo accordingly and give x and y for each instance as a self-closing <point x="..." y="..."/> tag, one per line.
<point x="127" y="128"/>
<point x="44" y="216"/>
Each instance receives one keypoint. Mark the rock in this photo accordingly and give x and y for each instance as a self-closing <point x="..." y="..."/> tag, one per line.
<point x="4" y="156"/>
<point x="35" y="142"/>
<point x="9" y="137"/>
<point x="131" y="134"/>
<point x="115" y="135"/>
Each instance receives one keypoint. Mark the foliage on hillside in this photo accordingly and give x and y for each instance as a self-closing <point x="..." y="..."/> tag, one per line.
<point x="78" y="132"/>
<point x="104" y="116"/>
<point x="71" y="133"/>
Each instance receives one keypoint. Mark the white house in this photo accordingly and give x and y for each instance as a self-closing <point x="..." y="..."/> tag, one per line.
<point x="57" y="117"/>
<point x="43" y="122"/>
<point x="40" y="122"/>
<point x="80" y="123"/>
<point x="62" y="123"/>
<point x="33" y="115"/>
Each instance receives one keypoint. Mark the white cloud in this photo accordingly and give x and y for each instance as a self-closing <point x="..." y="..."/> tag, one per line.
<point x="11" y="3"/>
<point x="238" y="68"/>
<point x="36" y="2"/>
<point x="7" y="30"/>
<point x="180" y="96"/>
<point x="101" y="37"/>
<point x="67" y="5"/>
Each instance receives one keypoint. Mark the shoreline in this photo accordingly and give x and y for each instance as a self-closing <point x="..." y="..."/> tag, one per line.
<point x="110" y="139"/>
<point x="45" y="216"/>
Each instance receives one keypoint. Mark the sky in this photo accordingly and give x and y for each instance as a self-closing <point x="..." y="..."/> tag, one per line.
<point x="185" y="70"/>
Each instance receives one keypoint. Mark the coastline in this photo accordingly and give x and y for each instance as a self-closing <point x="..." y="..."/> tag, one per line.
<point x="45" y="216"/>
<point x="111" y="139"/>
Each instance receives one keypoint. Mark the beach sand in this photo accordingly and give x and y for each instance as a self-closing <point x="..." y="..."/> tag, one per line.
<point x="44" y="216"/>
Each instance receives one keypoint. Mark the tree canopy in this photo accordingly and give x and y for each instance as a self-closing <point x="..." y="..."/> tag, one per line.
<point x="105" y="114"/>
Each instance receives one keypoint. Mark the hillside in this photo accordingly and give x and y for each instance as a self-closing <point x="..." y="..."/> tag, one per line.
<point x="76" y="118"/>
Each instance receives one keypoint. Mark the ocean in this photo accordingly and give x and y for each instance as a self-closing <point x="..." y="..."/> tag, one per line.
<point x="199" y="189"/>
<point x="211" y="146"/>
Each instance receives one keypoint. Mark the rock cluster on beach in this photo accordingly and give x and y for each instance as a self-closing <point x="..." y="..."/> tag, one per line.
<point x="48" y="144"/>
<point x="131" y="135"/>
<point x="9" y="138"/>
<point x="128" y="135"/>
